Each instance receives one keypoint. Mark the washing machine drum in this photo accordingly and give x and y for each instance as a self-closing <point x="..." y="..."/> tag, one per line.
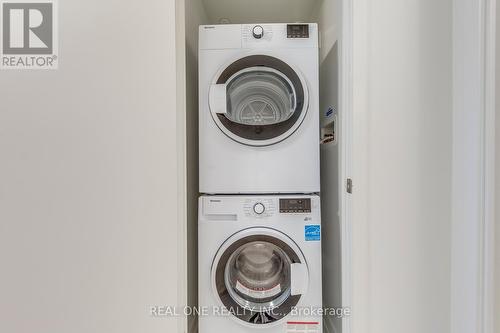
<point x="254" y="279"/>
<point x="258" y="274"/>
<point x="258" y="100"/>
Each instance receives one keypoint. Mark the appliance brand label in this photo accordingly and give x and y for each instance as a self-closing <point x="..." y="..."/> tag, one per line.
<point x="312" y="232"/>
<point x="29" y="35"/>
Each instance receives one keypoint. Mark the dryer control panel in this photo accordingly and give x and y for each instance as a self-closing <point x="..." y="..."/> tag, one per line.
<point x="259" y="35"/>
<point x="297" y="31"/>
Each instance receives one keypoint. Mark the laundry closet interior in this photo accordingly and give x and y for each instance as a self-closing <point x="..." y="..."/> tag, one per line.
<point x="327" y="14"/>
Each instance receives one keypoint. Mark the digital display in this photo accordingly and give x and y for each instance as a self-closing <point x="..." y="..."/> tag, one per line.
<point x="295" y="205"/>
<point x="298" y="30"/>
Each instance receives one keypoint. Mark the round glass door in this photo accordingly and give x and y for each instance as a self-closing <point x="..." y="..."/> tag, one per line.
<point x="254" y="277"/>
<point x="258" y="100"/>
<point x="257" y="276"/>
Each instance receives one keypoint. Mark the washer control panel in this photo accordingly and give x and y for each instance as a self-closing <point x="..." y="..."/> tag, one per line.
<point x="259" y="207"/>
<point x="297" y="31"/>
<point x="295" y="205"/>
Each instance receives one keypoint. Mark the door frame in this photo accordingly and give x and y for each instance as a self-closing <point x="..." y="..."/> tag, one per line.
<point x="182" y="234"/>
<point x="473" y="167"/>
<point x="346" y="106"/>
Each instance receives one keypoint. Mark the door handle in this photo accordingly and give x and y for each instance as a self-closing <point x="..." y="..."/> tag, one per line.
<point x="298" y="279"/>
<point x="217" y="98"/>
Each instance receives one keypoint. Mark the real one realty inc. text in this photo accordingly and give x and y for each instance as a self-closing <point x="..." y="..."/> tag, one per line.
<point x="175" y="311"/>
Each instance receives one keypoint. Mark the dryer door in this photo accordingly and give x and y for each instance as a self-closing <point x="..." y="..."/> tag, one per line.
<point x="259" y="274"/>
<point x="258" y="100"/>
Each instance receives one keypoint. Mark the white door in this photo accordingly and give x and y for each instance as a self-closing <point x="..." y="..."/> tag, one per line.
<point x="258" y="100"/>
<point x="259" y="275"/>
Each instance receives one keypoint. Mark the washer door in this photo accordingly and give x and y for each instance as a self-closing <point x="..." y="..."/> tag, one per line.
<point x="258" y="100"/>
<point x="259" y="275"/>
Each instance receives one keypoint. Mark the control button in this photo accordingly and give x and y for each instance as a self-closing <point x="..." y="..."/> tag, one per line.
<point x="258" y="31"/>
<point x="259" y="208"/>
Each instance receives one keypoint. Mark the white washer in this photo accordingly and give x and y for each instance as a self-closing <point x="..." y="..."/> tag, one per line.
<point x="259" y="264"/>
<point x="259" y="108"/>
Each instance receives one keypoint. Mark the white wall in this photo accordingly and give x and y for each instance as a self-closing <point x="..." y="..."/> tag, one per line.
<point x="328" y="16"/>
<point x="402" y="164"/>
<point x="88" y="174"/>
<point x="497" y="178"/>
<point x="259" y="11"/>
<point x="195" y="16"/>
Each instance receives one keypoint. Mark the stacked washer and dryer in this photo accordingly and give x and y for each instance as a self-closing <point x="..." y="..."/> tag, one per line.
<point x="259" y="214"/>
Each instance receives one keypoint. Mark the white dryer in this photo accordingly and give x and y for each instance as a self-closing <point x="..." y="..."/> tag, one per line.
<point x="259" y="108"/>
<point x="259" y="264"/>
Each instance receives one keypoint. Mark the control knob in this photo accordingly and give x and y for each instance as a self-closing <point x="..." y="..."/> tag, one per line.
<point x="259" y="208"/>
<point x="258" y="32"/>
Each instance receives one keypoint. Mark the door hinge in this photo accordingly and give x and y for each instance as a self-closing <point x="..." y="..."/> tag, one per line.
<point x="349" y="185"/>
